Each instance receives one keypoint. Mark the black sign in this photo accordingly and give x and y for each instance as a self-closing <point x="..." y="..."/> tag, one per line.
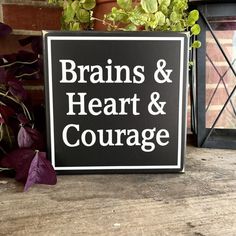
<point x="116" y="101"/>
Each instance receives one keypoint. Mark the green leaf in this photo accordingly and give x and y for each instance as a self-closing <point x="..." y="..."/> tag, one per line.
<point x="149" y="6"/>
<point x="163" y="9"/>
<point x="111" y="15"/>
<point x="125" y="4"/>
<point x="196" y="44"/>
<point x="164" y="2"/>
<point x="152" y="23"/>
<point x="179" y="27"/>
<point x="138" y="16"/>
<point x="83" y="15"/>
<point x="117" y="15"/>
<point x="190" y="22"/>
<point x="180" y="5"/>
<point x="75" y="26"/>
<point x="195" y="30"/>
<point x="131" y="27"/>
<point x="160" y="18"/>
<point x="69" y="13"/>
<point x="74" y="5"/>
<point x="139" y="11"/>
<point x="193" y="15"/>
<point x="167" y="24"/>
<point x="89" y="4"/>
<point x="190" y="63"/>
<point x="174" y="17"/>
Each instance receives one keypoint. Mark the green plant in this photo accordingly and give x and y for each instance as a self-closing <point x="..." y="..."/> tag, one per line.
<point x="144" y="15"/>
<point x="147" y="15"/>
<point x="154" y="15"/>
<point x="77" y="14"/>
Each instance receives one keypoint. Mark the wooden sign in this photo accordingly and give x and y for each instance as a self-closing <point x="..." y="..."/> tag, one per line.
<point x="116" y="101"/>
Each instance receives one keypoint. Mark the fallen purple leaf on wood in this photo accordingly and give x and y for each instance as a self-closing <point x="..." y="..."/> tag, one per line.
<point x="40" y="172"/>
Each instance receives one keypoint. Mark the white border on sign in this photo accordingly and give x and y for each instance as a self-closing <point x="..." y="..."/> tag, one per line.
<point x="109" y="38"/>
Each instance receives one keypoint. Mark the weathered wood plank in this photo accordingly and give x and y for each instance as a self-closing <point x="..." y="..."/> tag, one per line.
<point x="202" y="201"/>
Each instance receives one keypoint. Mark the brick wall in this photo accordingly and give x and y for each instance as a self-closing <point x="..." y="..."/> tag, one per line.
<point x="29" y="17"/>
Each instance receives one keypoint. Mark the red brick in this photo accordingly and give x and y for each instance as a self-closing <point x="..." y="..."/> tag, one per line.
<point x="34" y="18"/>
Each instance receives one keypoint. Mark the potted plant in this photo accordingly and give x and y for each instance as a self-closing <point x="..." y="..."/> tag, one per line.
<point x="123" y="15"/>
<point x="128" y="15"/>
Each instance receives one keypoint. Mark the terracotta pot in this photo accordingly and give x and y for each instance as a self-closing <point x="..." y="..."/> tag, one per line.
<point x="102" y="7"/>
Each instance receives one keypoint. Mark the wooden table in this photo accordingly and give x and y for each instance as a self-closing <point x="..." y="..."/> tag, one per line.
<point x="200" y="202"/>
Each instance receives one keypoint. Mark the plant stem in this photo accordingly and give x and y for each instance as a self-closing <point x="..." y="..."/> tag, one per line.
<point x="9" y="136"/>
<point x="19" y="62"/>
<point x="26" y="110"/>
<point x="106" y="23"/>
<point x="19" y="103"/>
<point x="22" y="75"/>
<point x="3" y="151"/>
<point x="1" y="132"/>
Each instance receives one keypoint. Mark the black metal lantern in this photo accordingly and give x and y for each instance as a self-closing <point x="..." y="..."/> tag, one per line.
<point x="213" y="80"/>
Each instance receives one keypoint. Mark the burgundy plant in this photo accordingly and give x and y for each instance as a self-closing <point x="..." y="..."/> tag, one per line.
<point x="21" y="144"/>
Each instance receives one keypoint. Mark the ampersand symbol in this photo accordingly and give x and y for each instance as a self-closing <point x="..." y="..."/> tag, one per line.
<point x="161" y="64"/>
<point x="159" y="106"/>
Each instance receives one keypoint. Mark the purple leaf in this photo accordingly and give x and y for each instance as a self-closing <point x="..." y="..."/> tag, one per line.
<point x="17" y="90"/>
<point x="2" y="121"/>
<point x="30" y="138"/>
<point x="35" y="41"/>
<point x="4" y="30"/>
<point x="7" y="59"/>
<point x="2" y="76"/>
<point x="40" y="172"/>
<point x="36" y="137"/>
<point x="6" y="112"/>
<point x="24" y="138"/>
<point x="37" y="45"/>
<point x="20" y="161"/>
<point x="23" y="119"/>
<point x="25" y="41"/>
<point x="25" y="56"/>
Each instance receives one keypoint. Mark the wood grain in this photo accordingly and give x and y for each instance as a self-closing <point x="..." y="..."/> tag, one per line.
<point x="202" y="201"/>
